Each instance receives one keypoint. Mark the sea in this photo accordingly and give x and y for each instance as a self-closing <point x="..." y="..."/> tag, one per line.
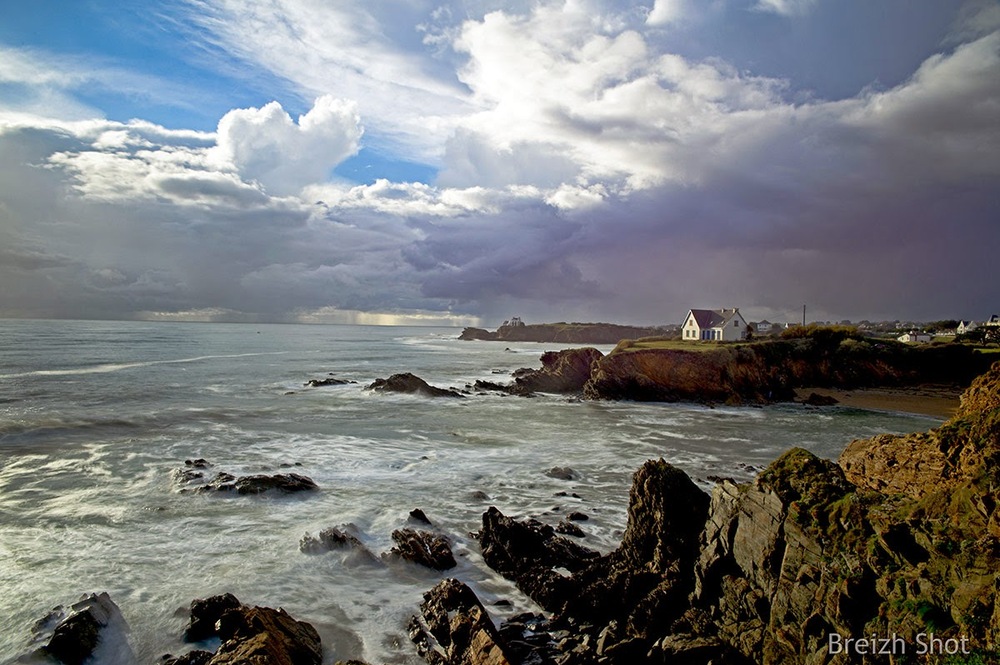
<point x="98" y="418"/>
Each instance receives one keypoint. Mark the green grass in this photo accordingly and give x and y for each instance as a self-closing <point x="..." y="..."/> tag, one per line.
<point x="671" y="344"/>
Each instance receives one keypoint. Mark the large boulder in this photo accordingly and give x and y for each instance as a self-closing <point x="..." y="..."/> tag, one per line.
<point x="265" y="636"/>
<point x="93" y="627"/>
<point x="205" y="614"/>
<point x="421" y="547"/>
<point x="282" y="483"/>
<point x="409" y="383"/>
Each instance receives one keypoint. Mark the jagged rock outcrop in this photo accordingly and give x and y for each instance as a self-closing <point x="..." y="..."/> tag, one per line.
<point x="562" y="372"/>
<point x="766" y="572"/>
<point x="409" y="383"/>
<point x="454" y="629"/>
<point x="249" y="635"/>
<point x="529" y="553"/>
<point x="265" y="636"/>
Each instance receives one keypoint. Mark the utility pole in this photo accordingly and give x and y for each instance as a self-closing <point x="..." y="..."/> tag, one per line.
<point x="803" y="315"/>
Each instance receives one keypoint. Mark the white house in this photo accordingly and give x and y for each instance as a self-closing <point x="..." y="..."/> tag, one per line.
<point x="994" y="321"/>
<point x="725" y="325"/>
<point x="763" y="327"/>
<point x="914" y="337"/>
<point x="965" y="327"/>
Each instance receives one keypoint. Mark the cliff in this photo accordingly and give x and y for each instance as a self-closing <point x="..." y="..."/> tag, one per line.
<point x="561" y="333"/>
<point x="770" y="370"/>
<point x="900" y="538"/>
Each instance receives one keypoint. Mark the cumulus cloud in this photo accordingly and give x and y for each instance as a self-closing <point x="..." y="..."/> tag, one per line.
<point x="366" y="52"/>
<point x="571" y="104"/>
<point x="665" y="12"/>
<point x="266" y="146"/>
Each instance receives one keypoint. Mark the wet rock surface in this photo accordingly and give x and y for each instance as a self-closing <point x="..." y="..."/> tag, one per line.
<point x="411" y="384"/>
<point x="282" y="483"/>
<point x="333" y="538"/>
<point x="421" y="547"/>
<point x="328" y="381"/>
<point x="205" y="613"/>
<point x="248" y="635"/>
<point x="91" y="627"/>
<point x="454" y="629"/>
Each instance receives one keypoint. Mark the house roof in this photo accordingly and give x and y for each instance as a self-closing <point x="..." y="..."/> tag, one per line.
<point x="713" y="318"/>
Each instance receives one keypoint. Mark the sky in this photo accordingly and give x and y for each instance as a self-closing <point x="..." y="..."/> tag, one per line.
<point x="451" y="162"/>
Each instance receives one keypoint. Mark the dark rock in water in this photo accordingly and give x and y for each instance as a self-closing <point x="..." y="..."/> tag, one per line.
<point x="423" y="548"/>
<point x="815" y="399"/>
<point x="418" y="515"/>
<point x="528" y="553"/>
<point x="265" y="636"/>
<point x="205" y="613"/>
<point x="561" y="473"/>
<point x="285" y="483"/>
<point x="490" y="386"/>
<point x="577" y="517"/>
<point x="197" y="657"/>
<point x="184" y="476"/>
<point x="94" y="623"/>
<point x="479" y="495"/>
<point x="570" y="529"/>
<point x="199" y="463"/>
<point x="454" y="628"/>
<point x="330" y="381"/>
<point x="331" y="539"/>
<point x="408" y="383"/>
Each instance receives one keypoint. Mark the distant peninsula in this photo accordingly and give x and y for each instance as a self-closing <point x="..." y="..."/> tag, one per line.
<point x="514" y="330"/>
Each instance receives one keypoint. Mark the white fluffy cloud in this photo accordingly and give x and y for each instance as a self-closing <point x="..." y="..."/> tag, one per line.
<point x="266" y="146"/>
<point x="567" y="100"/>
<point x="665" y="12"/>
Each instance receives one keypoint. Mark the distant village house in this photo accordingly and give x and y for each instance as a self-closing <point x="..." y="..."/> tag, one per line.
<point x="724" y="325"/>
<point x="914" y="338"/>
<point x="965" y="327"/>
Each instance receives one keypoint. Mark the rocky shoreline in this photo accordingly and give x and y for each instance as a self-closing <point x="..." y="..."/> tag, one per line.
<point x="561" y="333"/>
<point x="900" y="537"/>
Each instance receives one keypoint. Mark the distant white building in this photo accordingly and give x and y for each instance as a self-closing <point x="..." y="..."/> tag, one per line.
<point x="965" y="327"/>
<point x="724" y="325"/>
<point x="914" y="337"/>
<point x="994" y="321"/>
<point x="763" y="327"/>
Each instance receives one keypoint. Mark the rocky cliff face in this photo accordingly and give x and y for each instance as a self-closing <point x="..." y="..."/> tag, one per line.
<point x="902" y="537"/>
<point x="771" y="370"/>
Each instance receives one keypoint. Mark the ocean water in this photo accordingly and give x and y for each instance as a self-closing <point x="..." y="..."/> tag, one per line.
<point x="96" y="418"/>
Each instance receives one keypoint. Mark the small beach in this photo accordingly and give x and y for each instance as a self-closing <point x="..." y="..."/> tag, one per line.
<point x="939" y="401"/>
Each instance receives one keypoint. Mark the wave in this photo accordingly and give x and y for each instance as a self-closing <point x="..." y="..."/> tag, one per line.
<point x="117" y="367"/>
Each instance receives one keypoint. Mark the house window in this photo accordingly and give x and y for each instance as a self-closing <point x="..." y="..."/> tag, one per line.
<point x="736" y="324"/>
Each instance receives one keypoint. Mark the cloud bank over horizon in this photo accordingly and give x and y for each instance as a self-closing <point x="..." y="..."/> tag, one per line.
<point x="591" y="160"/>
